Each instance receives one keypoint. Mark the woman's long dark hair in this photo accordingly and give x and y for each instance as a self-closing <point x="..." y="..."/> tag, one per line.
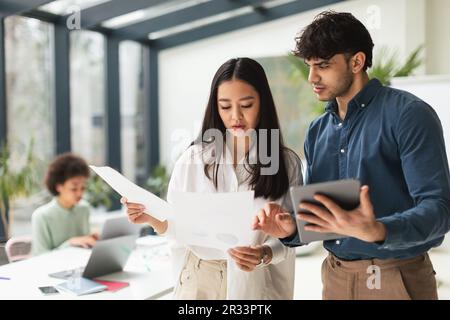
<point x="251" y="72"/>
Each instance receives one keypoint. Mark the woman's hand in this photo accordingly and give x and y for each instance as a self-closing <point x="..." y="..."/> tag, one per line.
<point x="136" y="215"/>
<point x="247" y="258"/>
<point x="274" y="221"/>
<point x="83" y="241"/>
<point x="135" y="212"/>
<point x="95" y="235"/>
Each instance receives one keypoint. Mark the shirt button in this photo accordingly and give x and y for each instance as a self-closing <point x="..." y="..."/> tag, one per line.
<point x="342" y="151"/>
<point x="338" y="263"/>
<point x="340" y="124"/>
<point x="338" y="242"/>
<point x="363" y="105"/>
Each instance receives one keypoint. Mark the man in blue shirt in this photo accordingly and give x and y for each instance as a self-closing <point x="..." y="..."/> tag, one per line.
<point x="393" y="143"/>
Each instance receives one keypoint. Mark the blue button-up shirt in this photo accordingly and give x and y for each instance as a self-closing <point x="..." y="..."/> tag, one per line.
<point x="393" y="142"/>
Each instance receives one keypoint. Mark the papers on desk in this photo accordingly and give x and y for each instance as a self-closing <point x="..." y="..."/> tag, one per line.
<point x="214" y="220"/>
<point x="154" y="206"/>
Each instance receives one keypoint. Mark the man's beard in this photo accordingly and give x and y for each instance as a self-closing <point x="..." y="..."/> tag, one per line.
<point x="344" y="86"/>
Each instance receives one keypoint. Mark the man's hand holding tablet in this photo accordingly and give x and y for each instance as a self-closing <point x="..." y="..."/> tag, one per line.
<point x="325" y="213"/>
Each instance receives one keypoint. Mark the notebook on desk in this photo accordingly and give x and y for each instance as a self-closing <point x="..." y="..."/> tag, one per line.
<point x="81" y="286"/>
<point x="113" y="286"/>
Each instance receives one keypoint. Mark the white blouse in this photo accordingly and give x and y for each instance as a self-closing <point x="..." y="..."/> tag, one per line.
<point x="274" y="281"/>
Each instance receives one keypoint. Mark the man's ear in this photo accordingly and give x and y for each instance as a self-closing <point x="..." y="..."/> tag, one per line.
<point x="357" y="62"/>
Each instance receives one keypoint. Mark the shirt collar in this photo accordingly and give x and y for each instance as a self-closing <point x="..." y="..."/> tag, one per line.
<point x="362" y="98"/>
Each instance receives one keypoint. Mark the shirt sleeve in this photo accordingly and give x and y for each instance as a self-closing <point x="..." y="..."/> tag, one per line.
<point x="175" y="184"/>
<point x="279" y="251"/>
<point x="41" y="238"/>
<point x="65" y="244"/>
<point x="425" y="168"/>
<point x="85" y="225"/>
<point x="295" y="179"/>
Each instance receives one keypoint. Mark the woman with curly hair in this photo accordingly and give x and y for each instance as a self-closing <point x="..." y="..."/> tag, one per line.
<point x="64" y="221"/>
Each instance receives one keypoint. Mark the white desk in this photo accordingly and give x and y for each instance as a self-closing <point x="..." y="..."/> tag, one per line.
<point x="148" y="271"/>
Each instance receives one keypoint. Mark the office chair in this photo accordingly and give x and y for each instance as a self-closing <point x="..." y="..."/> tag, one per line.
<point x="18" y="248"/>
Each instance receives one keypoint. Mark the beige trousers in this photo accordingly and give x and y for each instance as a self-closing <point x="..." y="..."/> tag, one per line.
<point x="202" y="279"/>
<point x="392" y="279"/>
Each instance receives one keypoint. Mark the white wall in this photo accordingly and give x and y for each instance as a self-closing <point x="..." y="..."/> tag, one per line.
<point x="437" y="35"/>
<point x="186" y="71"/>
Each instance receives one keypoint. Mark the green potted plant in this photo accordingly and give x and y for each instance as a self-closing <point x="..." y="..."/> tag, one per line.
<point x="98" y="193"/>
<point x="14" y="183"/>
<point x="387" y="66"/>
<point x="157" y="184"/>
<point x="158" y="181"/>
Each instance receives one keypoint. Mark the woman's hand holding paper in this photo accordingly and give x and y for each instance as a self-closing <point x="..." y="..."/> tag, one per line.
<point x="136" y="215"/>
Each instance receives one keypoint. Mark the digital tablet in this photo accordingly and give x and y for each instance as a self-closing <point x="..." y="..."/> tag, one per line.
<point x="344" y="192"/>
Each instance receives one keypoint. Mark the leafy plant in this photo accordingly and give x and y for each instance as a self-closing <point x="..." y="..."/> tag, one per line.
<point x="158" y="181"/>
<point x="387" y="66"/>
<point x="301" y="72"/>
<point x="98" y="193"/>
<point x="15" y="183"/>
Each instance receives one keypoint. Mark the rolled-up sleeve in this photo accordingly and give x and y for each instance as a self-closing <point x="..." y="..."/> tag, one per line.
<point x="425" y="166"/>
<point x="279" y="251"/>
<point x="177" y="178"/>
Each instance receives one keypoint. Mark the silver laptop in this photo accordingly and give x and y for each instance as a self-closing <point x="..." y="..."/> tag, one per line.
<point x="118" y="227"/>
<point x="343" y="192"/>
<point x="108" y="256"/>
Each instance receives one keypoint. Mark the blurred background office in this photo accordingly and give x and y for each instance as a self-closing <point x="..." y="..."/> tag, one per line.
<point x="125" y="83"/>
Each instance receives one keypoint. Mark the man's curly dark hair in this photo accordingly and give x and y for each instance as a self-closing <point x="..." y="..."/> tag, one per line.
<point x="333" y="33"/>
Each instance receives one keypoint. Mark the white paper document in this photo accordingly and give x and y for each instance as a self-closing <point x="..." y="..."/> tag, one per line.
<point x="154" y="205"/>
<point x="214" y="220"/>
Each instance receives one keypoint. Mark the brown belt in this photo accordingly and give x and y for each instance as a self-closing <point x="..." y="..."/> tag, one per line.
<point x="362" y="265"/>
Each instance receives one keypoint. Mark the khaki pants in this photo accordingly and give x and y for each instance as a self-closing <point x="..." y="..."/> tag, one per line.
<point x="409" y="279"/>
<point x="202" y="279"/>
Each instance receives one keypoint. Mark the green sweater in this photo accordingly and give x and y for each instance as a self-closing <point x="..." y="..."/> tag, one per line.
<point x="53" y="225"/>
